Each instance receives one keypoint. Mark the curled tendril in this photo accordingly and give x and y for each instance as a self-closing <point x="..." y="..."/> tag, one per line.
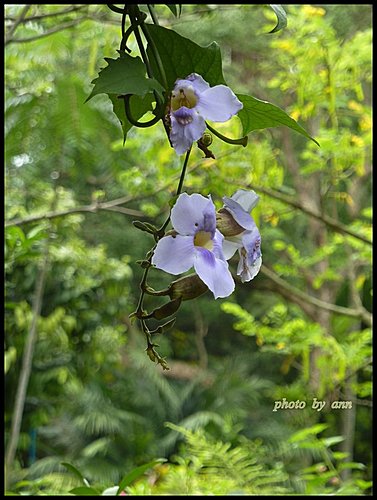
<point x="241" y="142"/>
<point x="126" y="33"/>
<point x="159" y="111"/>
<point x="116" y="9"/>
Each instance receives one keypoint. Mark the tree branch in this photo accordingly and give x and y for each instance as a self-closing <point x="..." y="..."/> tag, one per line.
<point x="45" y="16"/>
<point x="295" y="293"/>
<point x="16" y="23"/>
<point x="85" y="208"/>
<point x="334" y="224"/>
<point x="27" y="361"/>
<point x="107" y="205"/>
<point x="61" y="27"/>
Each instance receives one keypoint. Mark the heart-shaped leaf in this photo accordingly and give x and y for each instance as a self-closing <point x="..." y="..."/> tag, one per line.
<point x="180" y="57"/>
<point x="125" y="75"/>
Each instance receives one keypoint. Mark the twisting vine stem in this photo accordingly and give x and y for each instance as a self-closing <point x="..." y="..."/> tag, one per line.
<point x="137" y="19"/>
<point x="159" y="112"/>
<point x="147" y="263"/>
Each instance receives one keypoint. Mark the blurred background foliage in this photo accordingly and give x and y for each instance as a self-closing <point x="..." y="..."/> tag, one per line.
<point x="299" y="330"/>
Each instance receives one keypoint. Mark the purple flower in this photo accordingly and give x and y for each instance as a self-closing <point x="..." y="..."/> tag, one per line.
<point x="197" y="243"/>
<point x="245" y="236"/>
<point x="193" y="101"/>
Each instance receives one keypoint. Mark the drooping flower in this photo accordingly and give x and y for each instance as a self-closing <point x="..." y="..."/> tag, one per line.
<point x="195" y="243"/>
<point x="192" y="102"/>
<point x="241" y="233"/>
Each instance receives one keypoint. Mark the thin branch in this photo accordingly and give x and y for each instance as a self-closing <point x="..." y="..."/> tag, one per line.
<point x="85" y="208"/>
<point x="17" y="22"/>
<point x="296" y="293"/>
<point x="61" y="27"/>
<point x="45" y="16"/>
<point x="108" y="205"/>
<point x="27" y="361"/>
<point x="334" y="224"/>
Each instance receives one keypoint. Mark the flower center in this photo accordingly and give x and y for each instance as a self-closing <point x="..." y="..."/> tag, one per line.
<point x="203" y="239"/>
<point x="183" y="97"/>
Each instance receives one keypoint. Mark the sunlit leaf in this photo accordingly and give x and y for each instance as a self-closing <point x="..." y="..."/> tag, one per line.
<point x="282" y="17"/>
<point x="257" y="114"/>
<point x="75" y="471"/>
<point x="139" y="471"/>
<point x="84" y="490"/>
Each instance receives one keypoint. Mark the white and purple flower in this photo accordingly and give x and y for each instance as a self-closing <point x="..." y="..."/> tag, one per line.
<point x="192" y="102"/>
<point x="195" y="243"/>
<point x="241" y="233"/>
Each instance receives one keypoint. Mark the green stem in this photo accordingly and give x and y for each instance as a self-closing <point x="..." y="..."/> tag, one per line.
<point x="241" y="142"/>
<point x="115" y="9"/>
<point x="153" y="14"/>
<point x="134" y="14"/>
<point x="160" y="234"/>
<point x="179" y="189"/>
<point x="154" y="50"/>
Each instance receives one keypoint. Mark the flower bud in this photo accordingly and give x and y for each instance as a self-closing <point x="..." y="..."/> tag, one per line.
<point x="189" y="287"/>
<point x="226" y="224"/>
<point x="206" y="139"/>
<point x="167" y="309"/>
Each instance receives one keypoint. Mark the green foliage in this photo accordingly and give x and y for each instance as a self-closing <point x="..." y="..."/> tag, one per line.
<point x="257" y="114"/>
<point x="282" y="18"/>
<point x="111" y="79"/>
<point x="94" y="400"/>
<point x="180" y="57"/>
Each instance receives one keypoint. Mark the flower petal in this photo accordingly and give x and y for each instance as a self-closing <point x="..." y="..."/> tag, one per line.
<point x="174" y="254"/>
<point x="243" y="218"/>
<point x="194" y="80"/>
<point x="251" y="241"/>
<point x="218" y="241"/>
<point x="230" y="246"/>
<point x="209" y="218"/>
<point x="247" y="199"/>
<point x="187" y="126"/>
<point x="213" y="272"/>
<point x="247" y="272"/>
<point x="191" y="213"/>
<point x="218" y="104"/>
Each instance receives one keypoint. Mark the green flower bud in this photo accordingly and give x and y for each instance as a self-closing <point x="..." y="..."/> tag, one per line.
<point x="206" y="139"/>
<point x="226" y="224"/>
<point x="189" y="287"/>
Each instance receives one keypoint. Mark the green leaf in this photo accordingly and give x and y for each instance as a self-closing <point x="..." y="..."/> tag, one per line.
<point x="257" y="114"/>
<point x="180" y="57"/>
<point x="75" y="471"/>
<point x="84" y="490"/>
<point x="330" y="441"/>
<point x="125" y="75"/>
<point x="139" y="471"/>
<point x="173" y="8"/>
<point x="307" y="433"/>
<point x="173" y="200"/>
<point x="138" y="106"/>
<point x="14" y="233"/>
<point x="282" y="17"/>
